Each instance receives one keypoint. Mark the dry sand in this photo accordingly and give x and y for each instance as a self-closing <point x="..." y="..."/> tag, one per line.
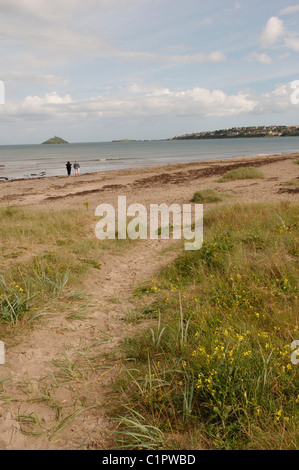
<point x="29" y="364"/>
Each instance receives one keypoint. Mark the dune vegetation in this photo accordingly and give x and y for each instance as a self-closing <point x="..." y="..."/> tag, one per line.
<point x="213" y="368"/>
<point x="206" y="196"/>
<point x="208" y="362"/>
<point x="44" y="256"/>
<point x="293" y="183"/>
<point x="244" y="173"/>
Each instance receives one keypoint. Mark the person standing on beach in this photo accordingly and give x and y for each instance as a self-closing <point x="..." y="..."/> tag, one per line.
<point x="69" y="168"/>
<point x="77" y="168"/>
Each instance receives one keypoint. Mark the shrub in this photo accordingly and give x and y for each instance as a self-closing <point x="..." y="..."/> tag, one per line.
<point x="206" y="196"/>
<point x="248" y="172"/>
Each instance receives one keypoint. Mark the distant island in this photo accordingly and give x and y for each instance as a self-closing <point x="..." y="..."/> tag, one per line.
<point x="124" y="140"/>
<point x="56" y="140"/>
<point x="241" y="132"/>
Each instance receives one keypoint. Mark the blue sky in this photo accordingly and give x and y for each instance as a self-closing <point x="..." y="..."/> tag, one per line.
<point x="98" y="70"/>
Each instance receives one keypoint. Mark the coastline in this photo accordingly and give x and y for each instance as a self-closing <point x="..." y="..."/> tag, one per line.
<point x="141" y="169"/>
<point x="170" y="182"/>
<point x="35" y="161"/>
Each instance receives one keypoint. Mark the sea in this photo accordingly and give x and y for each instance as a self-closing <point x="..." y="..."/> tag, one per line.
<point x="44" y="160"/>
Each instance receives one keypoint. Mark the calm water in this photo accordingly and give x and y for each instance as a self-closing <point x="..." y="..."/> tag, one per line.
<point x="29" y="161"/>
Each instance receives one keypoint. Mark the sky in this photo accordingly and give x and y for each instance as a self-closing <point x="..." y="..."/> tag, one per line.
<point x="102" y="70"/>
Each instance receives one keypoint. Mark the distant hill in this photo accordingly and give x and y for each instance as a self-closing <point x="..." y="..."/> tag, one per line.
<point x="56" y="140"/>
<point x="239" y="132"/>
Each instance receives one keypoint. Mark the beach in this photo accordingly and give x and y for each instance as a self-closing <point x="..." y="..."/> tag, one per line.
<point x="65" y="354"/>
<point x="149" y="228"/>
<point x="34" y="161"/>
<point x="156" y="184"/>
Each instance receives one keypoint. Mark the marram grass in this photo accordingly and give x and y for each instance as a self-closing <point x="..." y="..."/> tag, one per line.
<point x="294" y="182"/>
<point x="206" y="196"/>
<point x="248" y="172"/>
<point x="42" y="254"/>
<point x="216" y="371"/>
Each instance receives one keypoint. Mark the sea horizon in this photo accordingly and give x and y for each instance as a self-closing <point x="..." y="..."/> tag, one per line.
<point x="30" y="161"/>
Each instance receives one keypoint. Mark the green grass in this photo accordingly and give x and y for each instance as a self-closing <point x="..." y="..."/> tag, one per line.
<point x="293" y="183"/>
<point x="241" y="174"/>
<point x="214" y="370"/>
<point x="206" y="196"/>
<point x="45" y="253"/>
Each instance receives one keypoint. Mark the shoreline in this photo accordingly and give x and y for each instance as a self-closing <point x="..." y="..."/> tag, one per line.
<point x="157" y="167"/>
<point x="173" y="182"/>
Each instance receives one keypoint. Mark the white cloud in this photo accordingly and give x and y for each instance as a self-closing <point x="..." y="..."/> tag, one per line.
<point x="216" y="56"/>
<point x="59" y="9"/>
<point x="289" y="10"/>
<point x="277" y="101"/>
<point x="48" y="46"/>
<point x="206" y="21"/>
<point x="137" y="102"/>
<point x="236" y="7"/>
<point x="142" y="102"/>
<point x="272" y="32"/>
<point x="36" y="8"/>
<point x="292" y="43"/>
<point x="44" y="35"/>
<point x="41" y="33"/>
<point x="146" y="89"/>
<point x="262" y="58"/>
<point x="136" y="56"/>
<point x="48" y="99"/>
<point x="276" y="34"/>
<point x="49" y="80"/>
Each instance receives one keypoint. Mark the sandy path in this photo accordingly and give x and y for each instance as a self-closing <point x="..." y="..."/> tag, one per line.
<point x="42" y="401"/>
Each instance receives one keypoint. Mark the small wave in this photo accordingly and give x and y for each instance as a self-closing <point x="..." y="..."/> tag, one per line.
<point x="108" y="159"/>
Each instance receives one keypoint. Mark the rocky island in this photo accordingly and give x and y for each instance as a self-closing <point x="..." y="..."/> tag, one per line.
<point x="55" y="140"/>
